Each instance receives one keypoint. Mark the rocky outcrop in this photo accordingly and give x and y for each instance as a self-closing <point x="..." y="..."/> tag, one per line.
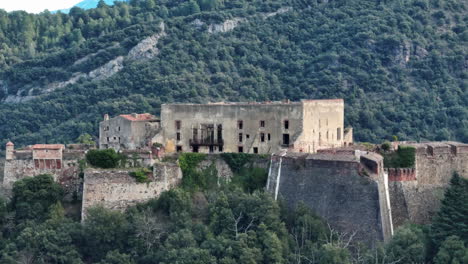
<point x="231" y="24"/>
<point x="147" y="48"/>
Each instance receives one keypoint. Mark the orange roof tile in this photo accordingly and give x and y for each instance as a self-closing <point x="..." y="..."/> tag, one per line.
<point x="10" y="143"/>
<point x="48" y="146"/>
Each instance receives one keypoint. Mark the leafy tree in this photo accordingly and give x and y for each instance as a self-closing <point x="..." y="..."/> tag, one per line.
<point x="103" y="231"/>
<point x="85" y="139"/>
<point x="33" y="196"/>
<point x="114" y="257"/>
<point x="452" y="251"/>
<point x="408" y="245"/>
<point x="106" y="158"/>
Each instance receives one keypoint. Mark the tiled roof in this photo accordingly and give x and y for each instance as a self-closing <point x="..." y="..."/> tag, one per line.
<point x="139" y="117"/>
<point x="10" y="143"/>
<point x="48" y="146"/>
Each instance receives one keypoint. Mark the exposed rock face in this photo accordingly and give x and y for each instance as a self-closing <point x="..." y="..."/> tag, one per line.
<point x="226" y="26"/>
<point x="108" y="69"/>
<point x="231" y="24"/>
<point x="147" y="49"/>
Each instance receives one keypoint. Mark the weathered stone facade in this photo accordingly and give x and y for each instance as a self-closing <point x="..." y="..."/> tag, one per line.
<point x="128" y="132"/>
<point x="416" y="192"/>
<point x="304" y="126"/>
<point x="54" y="159"/>
<point x="116" y="189"/>
<point x="348" y="190"/>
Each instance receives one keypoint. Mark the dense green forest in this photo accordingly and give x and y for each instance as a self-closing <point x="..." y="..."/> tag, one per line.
<point x="211" y="224"/>
<point x="400" y="65"/>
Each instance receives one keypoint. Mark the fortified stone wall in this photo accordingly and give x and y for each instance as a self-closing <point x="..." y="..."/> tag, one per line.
<point x="338" y="188"/>
<point x="66" y="171"/>
<point x="116" y="189"/>
<point x="416" y="193"/>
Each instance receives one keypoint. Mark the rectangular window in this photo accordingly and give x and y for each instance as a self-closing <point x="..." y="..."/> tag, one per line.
<point x="240" y="149"/>
<point x="255" y="150"/>
<point x="247" y="136"/>
<point x="220" y="148"/>
<point x="240" y="124"/>
<point x="178" y="136"/>
<point x="338" y="133"/>
<point x="286" y="124"/>
<point x="262" y="123"/>
<point x="179" y="148"/>
<point x="178" y="124"/>
<point x="262" y="137"/>
<point x="107" y="139"/>
<point x="119" y="128"/>
<point x="285" y="139"/>
<point x="269" y="136"/>
<point x="240" y="137"/>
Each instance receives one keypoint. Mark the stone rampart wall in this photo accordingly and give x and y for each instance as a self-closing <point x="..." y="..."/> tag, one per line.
<point x="116" y="189"/>
<point x="334" y="189"/>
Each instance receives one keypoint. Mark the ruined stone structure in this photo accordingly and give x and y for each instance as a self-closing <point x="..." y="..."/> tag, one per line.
<point x="116" y="189"/>
<point x="129" y="132"/>
<point x="416" y="192"/>
<point x="304" y="126"/>
<point x="54" y="159"/>
<point x="348" y="190"/>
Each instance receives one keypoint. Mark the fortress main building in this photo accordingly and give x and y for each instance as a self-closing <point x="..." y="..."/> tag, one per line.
<point x="267" y="127"/>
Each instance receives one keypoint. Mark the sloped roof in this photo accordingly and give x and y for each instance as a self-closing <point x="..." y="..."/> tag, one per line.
<point x="9" y="143"/>
<point x="48" y="146"/>
<point x="139" y="117"/>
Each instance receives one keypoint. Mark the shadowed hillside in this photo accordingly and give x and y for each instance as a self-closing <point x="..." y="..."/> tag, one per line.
<point x="399" y="65"/>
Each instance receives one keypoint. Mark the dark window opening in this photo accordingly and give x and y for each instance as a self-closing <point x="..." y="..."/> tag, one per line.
<point x="240" y="124"/>
<point x="262" y="123"/>
<point x="178" y="124"/>
<point x="240" y="137"/>
<point x="286" y="124"/>
<point x="269" y="136"/>
<point x="220" y="133"/>
<point x="240" y="149"/>
<point x="247" y="135"/>
<point x="285" y="139"/>
<point x="107" y="139"/>
<point x="119" y="128"/>
<point x="220" y="148"/>
<point x="179" y="148"/>
<point x="178" y="136"/>
<point x="107" y="128"/>
<point x="262" y="137"/>
<point x="255" y="150"/>
<point x="211" y="148"/>
<point x="195" y="148"/>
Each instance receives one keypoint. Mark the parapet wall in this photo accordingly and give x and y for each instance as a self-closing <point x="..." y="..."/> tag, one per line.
<point x="401" y="174"/>
<point x="116" y="189"/>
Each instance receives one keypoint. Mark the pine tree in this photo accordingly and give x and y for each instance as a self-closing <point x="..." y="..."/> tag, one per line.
<point x="452" y="218"/>
<point x="452" y="251"/>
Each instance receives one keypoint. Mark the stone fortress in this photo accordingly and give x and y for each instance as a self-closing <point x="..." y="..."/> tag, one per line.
<point x="259" y="128"/>
<point x="313" y="160"/>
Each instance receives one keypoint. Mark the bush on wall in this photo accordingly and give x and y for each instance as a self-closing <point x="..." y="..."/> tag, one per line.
<point x="105" y="158"/>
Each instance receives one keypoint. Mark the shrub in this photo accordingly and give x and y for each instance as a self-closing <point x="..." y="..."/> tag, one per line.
<point x="237" y="160"/>
<point x="141" y="175"/>
<point x="106" y="158"/>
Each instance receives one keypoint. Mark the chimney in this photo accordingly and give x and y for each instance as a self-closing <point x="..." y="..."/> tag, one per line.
<point x="134" y="115"/>
<point x="10" y="147"/>
<point x="106" y="117"/>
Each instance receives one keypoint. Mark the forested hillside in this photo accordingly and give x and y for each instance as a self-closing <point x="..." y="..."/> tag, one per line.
<point x="401" y="66"/>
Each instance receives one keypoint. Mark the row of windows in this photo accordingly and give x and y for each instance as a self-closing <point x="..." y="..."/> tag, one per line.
<point x="262" y="137"/>
<point x="240" y="124"/>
